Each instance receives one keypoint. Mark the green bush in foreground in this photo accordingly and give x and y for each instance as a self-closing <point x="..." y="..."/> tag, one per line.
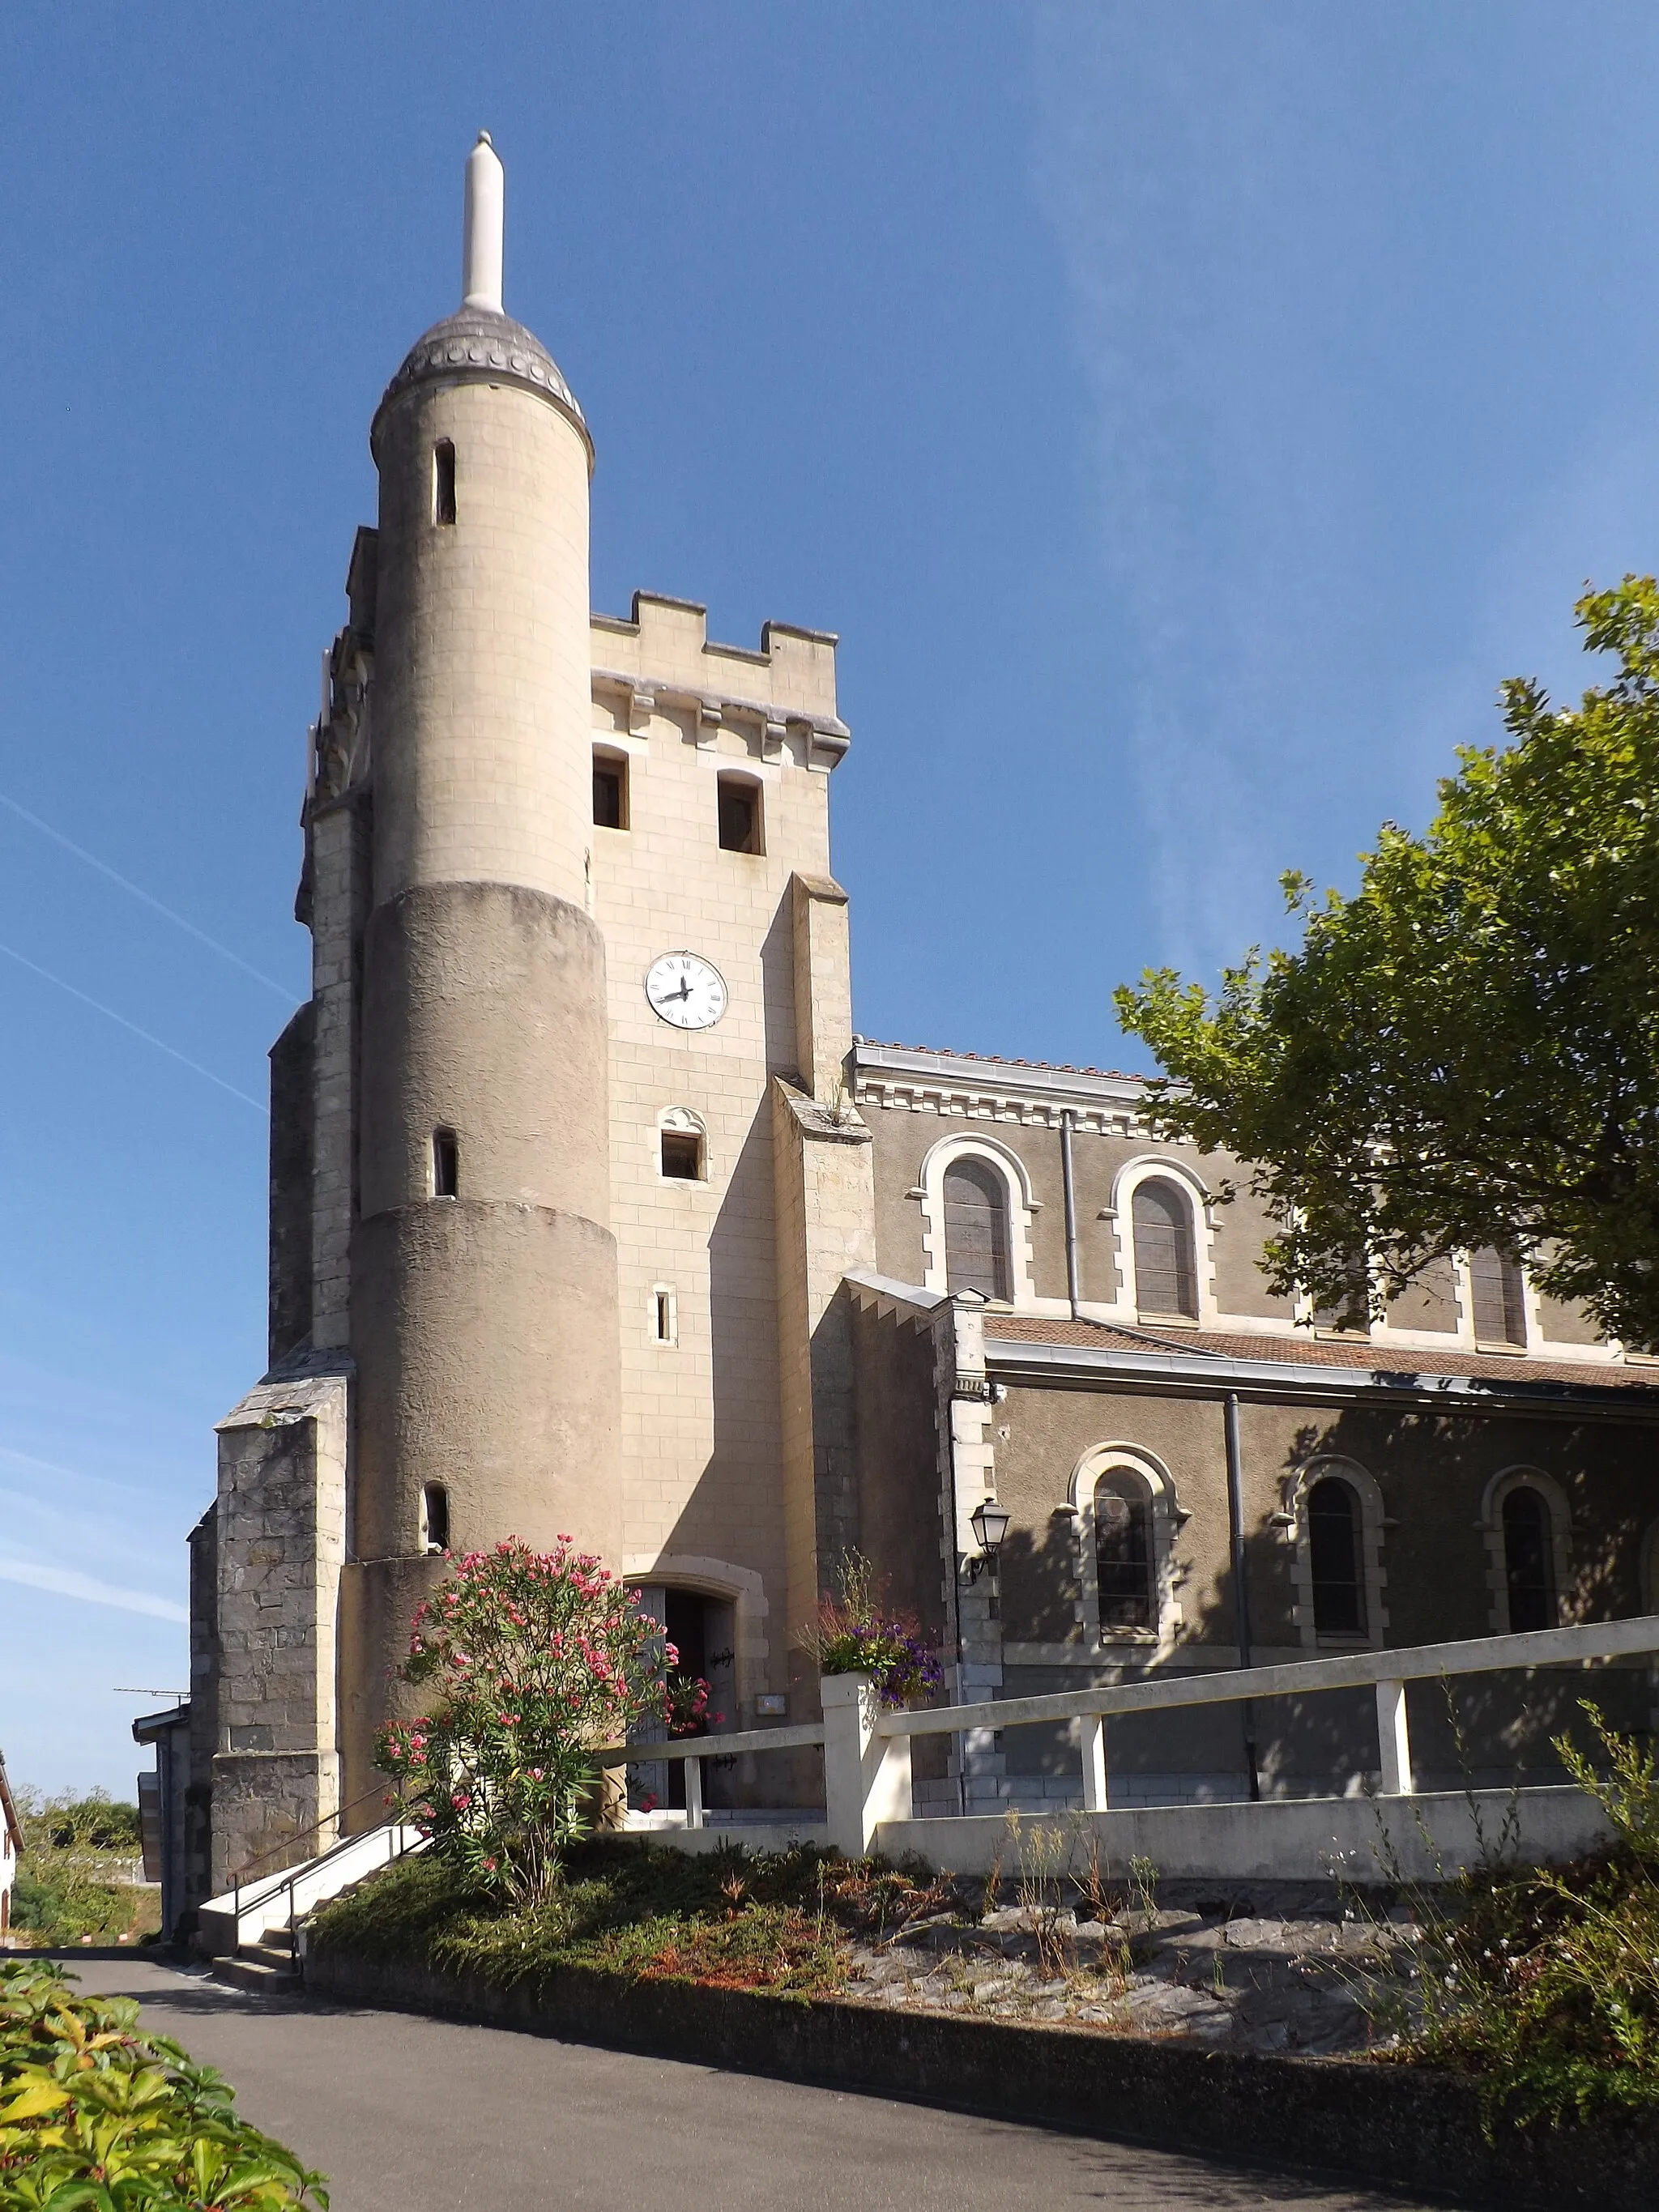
<point x="1545" y="1983"/>
<point x="96" y="2117"/>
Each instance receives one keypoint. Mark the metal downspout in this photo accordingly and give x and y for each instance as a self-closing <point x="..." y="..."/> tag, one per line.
<point x="1072" y="1291"/>
<point x="1241" y="1579"/>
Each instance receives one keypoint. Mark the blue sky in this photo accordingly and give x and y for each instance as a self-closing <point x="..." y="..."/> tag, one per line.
<point x="1185" y="415"/>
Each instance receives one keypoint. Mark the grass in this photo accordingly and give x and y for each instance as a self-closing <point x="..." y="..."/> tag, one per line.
<point x="729" y="1920"/>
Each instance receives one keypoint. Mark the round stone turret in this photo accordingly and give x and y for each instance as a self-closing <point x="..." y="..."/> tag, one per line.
<point x="483" y="1277"/>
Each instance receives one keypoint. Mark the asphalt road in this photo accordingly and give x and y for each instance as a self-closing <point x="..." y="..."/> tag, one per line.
<point x="412" y="2115"/>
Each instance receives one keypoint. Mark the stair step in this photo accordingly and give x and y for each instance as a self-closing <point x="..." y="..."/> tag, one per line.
<point x="243" y="1972"/>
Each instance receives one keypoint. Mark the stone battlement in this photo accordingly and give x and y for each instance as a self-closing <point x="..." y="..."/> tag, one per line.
<point x="662" y="648"/>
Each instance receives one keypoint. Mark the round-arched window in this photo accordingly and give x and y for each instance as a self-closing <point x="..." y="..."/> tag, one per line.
<point x="976" y="1228"/>
<point x="1528" y="1567"/>
<point x="1166" y="1276"/>
<point x="1123" y="1551"/>
<point x="1339" y="1589"/>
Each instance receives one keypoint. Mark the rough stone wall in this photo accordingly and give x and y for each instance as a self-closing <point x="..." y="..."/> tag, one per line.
<point x="825" y="1231"/>
<point x="292" y="1077"/>
<point x="897" y="1450"/>
<point x="338" y="835"/>
<point x="481" y="667"/>
<point x="203" y="1738"/>
<point x="280" y="1542"/>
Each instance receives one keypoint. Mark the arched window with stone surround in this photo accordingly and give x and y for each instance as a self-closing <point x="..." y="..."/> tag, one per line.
<point x="1528" y="1560"/>
<point x="1333" y="1521"/>
<point x="976" y="1228"/>
<point x="1125" y="1569"/>
<point x="1166" y="1271"/>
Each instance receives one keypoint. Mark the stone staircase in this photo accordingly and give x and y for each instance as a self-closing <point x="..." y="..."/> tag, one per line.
<point x="269" y="1966"/>
<point x="252" y="1934"/>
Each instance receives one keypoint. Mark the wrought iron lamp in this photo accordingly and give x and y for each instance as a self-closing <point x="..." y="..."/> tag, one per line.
<point x="989" y="1522"/>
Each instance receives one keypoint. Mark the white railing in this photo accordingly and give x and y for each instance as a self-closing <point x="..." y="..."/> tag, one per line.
<point x="691" y="1751"/>
<point x="866" y="1751"/>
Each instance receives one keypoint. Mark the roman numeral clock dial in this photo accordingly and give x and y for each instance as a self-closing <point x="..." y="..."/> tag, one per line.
<point x="685" y="992"/>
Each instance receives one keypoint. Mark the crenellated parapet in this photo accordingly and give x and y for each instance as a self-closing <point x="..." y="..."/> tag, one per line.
<point x="777" y="702"/>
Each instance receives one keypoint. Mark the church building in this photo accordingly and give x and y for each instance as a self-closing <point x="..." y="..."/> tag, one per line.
<point x="591" y="1214"/>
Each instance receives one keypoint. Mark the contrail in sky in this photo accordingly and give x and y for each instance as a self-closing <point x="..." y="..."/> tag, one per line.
<point x="178" y="920"/>
<point x="64" y="1582"/>
<point x="110" y="1013"/>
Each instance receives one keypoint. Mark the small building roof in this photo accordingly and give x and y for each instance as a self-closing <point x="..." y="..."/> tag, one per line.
<point x="148" y="1726"/>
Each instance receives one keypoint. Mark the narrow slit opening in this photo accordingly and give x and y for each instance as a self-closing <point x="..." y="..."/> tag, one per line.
<point x="435" y="1518"/>
<point x="445" y="1164"/>
<point x="443" y="483"/>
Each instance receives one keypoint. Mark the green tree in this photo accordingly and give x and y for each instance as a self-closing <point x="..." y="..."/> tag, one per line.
<point x="1466" y="1053"/>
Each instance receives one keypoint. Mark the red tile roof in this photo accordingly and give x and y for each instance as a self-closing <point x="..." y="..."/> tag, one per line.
<point x="996" y="1060"/>
<point x="1303" y="1351"/>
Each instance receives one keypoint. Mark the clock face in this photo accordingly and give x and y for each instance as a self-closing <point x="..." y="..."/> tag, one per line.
<point x="685" y="992"/>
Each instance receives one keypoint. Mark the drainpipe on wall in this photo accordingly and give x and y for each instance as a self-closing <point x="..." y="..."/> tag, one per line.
<point x="1240" y="1580"/>
<point x="1072" y="1289"/>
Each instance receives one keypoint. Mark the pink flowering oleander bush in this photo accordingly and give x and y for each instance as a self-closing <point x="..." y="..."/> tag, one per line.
<point x="685" y="1705"/>
<point x="535" y="1660"/>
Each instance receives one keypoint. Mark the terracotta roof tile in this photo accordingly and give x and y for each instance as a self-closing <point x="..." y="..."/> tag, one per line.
<point x="1301" y="1351"/>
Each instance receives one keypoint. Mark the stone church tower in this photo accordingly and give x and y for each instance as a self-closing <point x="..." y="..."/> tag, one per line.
<point x="563" y="1177"/>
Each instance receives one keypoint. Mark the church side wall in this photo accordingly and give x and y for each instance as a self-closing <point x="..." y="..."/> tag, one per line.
<point x="1433" y="1578"/>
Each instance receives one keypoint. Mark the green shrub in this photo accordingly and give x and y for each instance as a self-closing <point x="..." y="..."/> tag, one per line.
<point x="73" y="1876"/>
<point x="96" y="2117"/>
<point x="1544" y="1984"/>
<point x="774" y="1920"/>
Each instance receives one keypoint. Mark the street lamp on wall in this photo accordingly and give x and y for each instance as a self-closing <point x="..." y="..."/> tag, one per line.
<point x="989" y="1522"/>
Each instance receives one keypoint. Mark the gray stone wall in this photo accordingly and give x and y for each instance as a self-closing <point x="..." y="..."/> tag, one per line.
<point x="280" y="1542"/>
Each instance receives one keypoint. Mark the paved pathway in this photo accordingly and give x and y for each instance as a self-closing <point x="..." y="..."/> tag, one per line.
<point x="412" y="2115"/>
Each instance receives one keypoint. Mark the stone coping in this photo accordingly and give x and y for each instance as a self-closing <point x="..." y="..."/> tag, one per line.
<point x="1361" y="2120"/>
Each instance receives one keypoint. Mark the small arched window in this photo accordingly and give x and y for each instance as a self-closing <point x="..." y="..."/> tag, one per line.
<point x="1123" y="1551"/>
<point x="976" y="1228"/>
<point x="1528" y="1567"/>
<point x="1338" y="1590"/>
<point x="1166" y="1277"/>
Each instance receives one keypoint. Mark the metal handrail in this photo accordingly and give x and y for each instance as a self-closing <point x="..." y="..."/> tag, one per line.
<point x="247" y="1879"/>
<point x="322" y="1859"/>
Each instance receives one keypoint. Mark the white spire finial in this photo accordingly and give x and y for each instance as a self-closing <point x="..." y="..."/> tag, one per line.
<point x="481" y="248"/>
